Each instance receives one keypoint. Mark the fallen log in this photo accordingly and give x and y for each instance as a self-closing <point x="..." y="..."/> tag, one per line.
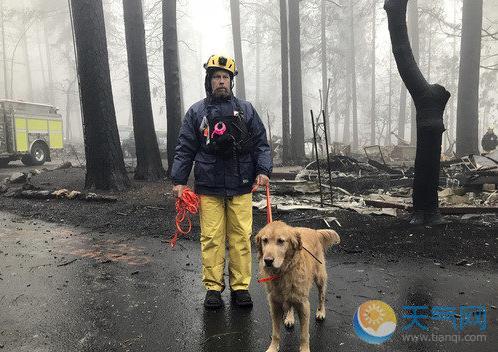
<point x="59" y="194"/>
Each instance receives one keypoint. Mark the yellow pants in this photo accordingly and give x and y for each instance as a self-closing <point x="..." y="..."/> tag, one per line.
<point x="221" y="218"/>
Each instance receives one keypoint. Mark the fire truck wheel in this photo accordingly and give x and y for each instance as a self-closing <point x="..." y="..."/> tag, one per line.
<point x="38" y="155"/>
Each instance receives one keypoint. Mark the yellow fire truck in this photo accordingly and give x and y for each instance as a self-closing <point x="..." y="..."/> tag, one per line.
<point x="28" y="131"/>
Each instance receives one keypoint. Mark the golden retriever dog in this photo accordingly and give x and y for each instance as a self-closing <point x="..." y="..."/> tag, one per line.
<point x="291" y="259"/>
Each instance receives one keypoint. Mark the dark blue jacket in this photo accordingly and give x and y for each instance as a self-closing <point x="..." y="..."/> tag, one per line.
<point x="213" y="174"/>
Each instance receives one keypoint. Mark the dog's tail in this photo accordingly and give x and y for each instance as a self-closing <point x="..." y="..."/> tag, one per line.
<point x="329" y="238"/>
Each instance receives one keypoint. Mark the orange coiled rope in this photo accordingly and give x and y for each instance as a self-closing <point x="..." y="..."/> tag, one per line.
<point x="187" y="203"/>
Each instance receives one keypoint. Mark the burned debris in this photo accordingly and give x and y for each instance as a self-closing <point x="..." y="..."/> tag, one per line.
<point x="380" y="182"/>
<point x="19" y="185"/>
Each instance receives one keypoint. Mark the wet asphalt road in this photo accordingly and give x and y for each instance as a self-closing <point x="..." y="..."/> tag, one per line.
<point x="72" y="289"/>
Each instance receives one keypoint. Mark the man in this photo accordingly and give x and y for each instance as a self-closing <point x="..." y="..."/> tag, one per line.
<point x="227" y="140"/>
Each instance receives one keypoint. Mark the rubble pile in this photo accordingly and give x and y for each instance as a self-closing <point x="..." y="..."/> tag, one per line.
<point x="373" y="186"/>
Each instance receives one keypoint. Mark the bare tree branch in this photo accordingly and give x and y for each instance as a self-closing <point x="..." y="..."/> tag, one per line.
<point x="491" y="68"/>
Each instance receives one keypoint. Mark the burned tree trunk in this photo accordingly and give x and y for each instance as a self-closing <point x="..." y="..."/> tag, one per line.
<point x="27" y="59"/>
<point x="372" y="109"/>
<point x="468" y="82"/>
<point x="258" y="36"/>
<point x="69" y="93"/>
<point x="354" y="145"/>
<point x="323" y="56"/>
<point x="149" y="165"/>
<point x="402" y="115"/>
<point x="346" y="131"/>
<point x="51" y="95"/>
<point x="4" y="53"/>
<point x="284" y="55"/>
<point x="237" y="47"/>
<point x="171" y="78"/>
<point x="430" y="101"/>
<point x="336" y="115"/>
<point x="105" y="167"/>
<point x="297" y="118"/>
<point x="390" y="115"/>
<point x="413" y="34"/>
<point x="453" y="87"/>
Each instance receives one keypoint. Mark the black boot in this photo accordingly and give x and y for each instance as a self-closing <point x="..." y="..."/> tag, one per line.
<point x="242" y="298"/>
<point x="213" y="300"/>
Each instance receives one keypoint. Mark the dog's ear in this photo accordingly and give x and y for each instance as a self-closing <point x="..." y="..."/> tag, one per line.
<point x="296" y="241"/>
<point x="258" y="243"/>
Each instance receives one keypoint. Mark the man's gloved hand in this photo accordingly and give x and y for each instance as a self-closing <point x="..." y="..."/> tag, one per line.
<point x="261" y="180"/>
<point x="178" y="189"/>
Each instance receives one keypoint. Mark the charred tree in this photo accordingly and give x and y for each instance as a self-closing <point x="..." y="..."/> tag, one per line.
<point x="354" y="145"/>
<point x="336" y="115"/>
<point x="346" y="132"/>
<point x="258" y="66"/>
<point x="323" y="54"/>
<point x="105" y="167"/>
<point x="42" y="67"/>
<point x="453" y="87"/>
<point x="402" y="115"/>
<point x="237" y="47"/>
<point x="149" y="166"/>
<point x="297" y="122"/>
<point x="51" y="97"/>
<point x="284" y="56"/>
<point x="27" y="60"/>
<point x="69" y="96"/>
<point x="468" y="83"/>
<point x="258" y="38"/>
<point x="389" y="114"/>
<point x="450" y="118"/>
<point x="372" y="108"/>
<point x="430" y="101"/>
<point x="171" y="78"/>
<point x="4" y="54"/>
<point x="415" y="45"/>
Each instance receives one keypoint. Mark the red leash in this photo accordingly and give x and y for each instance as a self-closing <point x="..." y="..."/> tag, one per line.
<point x="269" y="278"/>
<point x="187" y="202"/>
<point x="269" y="219"/>
<point x="268" y="205"/>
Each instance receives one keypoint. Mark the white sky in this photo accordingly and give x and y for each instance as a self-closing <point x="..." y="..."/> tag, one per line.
<point x="213" y="22"/>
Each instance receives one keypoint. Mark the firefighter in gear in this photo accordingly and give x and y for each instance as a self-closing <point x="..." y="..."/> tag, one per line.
<point x="225" y="137"/>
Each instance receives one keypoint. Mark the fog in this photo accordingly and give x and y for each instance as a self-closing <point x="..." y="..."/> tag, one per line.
<point x="39" y="61"/>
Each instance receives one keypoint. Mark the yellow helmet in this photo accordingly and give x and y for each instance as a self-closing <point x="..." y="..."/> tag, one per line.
<point x="221" y="62"/>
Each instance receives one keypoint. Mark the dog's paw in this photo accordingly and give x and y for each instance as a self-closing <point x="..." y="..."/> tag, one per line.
<point x="289" y="323"/>
<point x="320" y="315"/>
<point x="289" y="320"/>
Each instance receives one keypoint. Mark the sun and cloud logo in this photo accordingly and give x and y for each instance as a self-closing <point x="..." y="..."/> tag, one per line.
<point x="374" y="322"/>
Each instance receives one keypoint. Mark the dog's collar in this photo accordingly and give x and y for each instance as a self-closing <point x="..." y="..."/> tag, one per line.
<point x="269" y="278"/>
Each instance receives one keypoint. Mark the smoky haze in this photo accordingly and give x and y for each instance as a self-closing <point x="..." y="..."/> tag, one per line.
<point x="39" y="61"/>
